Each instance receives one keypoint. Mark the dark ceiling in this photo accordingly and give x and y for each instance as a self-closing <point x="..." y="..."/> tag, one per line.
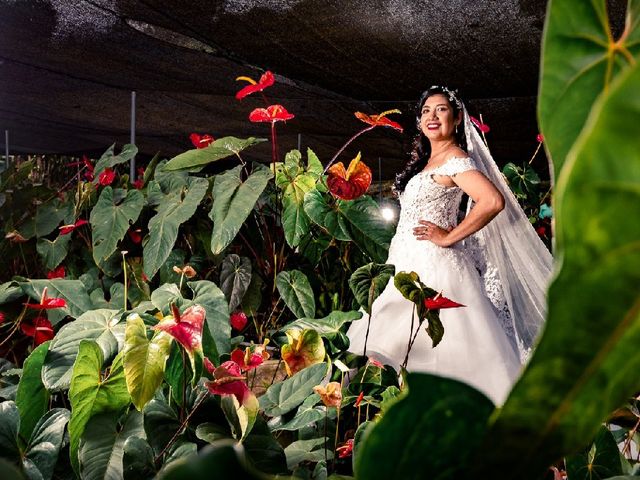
<point x="68" y="68"/>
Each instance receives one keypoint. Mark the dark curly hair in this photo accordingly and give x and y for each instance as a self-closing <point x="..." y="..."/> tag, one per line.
<point x="421" y="148"/>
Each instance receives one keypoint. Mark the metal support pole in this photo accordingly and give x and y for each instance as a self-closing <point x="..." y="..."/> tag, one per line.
<point x="6" y="149"/>
<point x="299" y="141"/>
<point x="132" y="165"/>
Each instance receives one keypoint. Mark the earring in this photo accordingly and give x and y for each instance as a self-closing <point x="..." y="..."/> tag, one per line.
<point x="456" y="129"/>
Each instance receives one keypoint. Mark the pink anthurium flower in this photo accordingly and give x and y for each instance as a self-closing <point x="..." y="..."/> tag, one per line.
<point x="380" y="120"/>
<point x="345" y="450"/>
<point x="238" y="320"/>
<point x="65" y="229"/>
<point x="47" y="303"/>
<point x="228" y="380"/>
<point x="201" y="141"/>
<point x="439" y="301"/>
<point x="57" y="273"/>
<point x="273" y="113"/>
<point x="266" y="80"/>
<point x="540" y="138"/>
<point x="185" y="328"/>
<point x="247" y="359"/>
<point x="483" y="127"/>
<point x="375" y="363"/>
<point x="41" y="330"/>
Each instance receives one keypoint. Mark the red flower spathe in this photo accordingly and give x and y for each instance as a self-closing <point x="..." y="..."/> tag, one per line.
<point x="351" y="183"/>
<point x="345" y="450"/>
<point x="439" y="301"/>
<point x="47" y="303"/>
<point x="238" y="320"/>
<point x="483" y="127"/>
<point x="185" y="328"/>
<point x="228" y="380"/>
<point x="380" y="120"/>
<point x="41" y="330"/>
<point x="201" y="141"/>
<point x="247" y="360"/>
<point x="57" y="273"/>
<point x="106" y="177"/>
<point x="273" y="113"/>
<point x="65" y="229"/>
<point x="266" y="80"/>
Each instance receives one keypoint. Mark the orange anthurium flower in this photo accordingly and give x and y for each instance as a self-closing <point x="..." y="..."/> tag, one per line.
<point x="266" y="80"/>
<point x="438" y="302"/>
<point x="351" y="183"/>
<point x="273" y="113"/>
<point x="305" y="348"/>
<point x="331" y="395"/>
<point x="380" y="120"/>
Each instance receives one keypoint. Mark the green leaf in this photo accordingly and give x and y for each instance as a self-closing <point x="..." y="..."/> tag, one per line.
<point x="53" y="253"/>
<point x="311" y="450"/>
<point x="283" y="397"/>
<point x="137" y="460"/>
<point x="32" y="398"/>
<point x="222" y="148"/>
<point x="9" y="291"/>
<point x="116" y="297"/>
<point x="428" y="434"/>
<point x="41" y="455"/>
<point x="174" y="210"/>
<point x="211" y="298"/>
<point x="601" y="460"/>
<point x="109" y="159"/>
<point x="414" y="290"/>
<point x="328" y="327"/>
<point x="99" y="325"/>
<point x="92" y="392"/>
<point x="263" y="450"/>
<point x="580" y="60"/>
<point x="9" y="379"/>
<point x="295" y="290"/>
<point x="313" y="246"/>
<point x="240" y="417"/>
<point x="235" y="277"/>
<point x="325" y="214"/>
<point x="307" y="414"/>
<point x="10" y="471"/>
<point x="144" y="360"/>
<point x="161" y="423"/>
<point x="368" y="282"/>
<point x="362" y="221"/>
<point x="233" y="200"/>
<point x="73" y="292"/>
<point x="110" y="221"/>
<point x="593" y="326"/>
<point x="102" y="445"/>
<point x="9" y="427"/>
<point x="46" y="218"/>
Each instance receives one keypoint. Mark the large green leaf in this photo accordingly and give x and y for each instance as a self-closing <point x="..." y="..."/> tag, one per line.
<point x="601" y="460"/>
<point x="311" y="450"/>
<point x="211" y="298"/>
<point x="233" y="200"/>
<point x="102" y="445"/>
<point x="110" y="219"/>
<point x="263" y="450"/>
<point x="137" y="460"/>
<point x="222" y="148"/>
<point x="328" y="327"/>
<point x="9" y="291"/>
<point x="412" y="288"/>
<point x="32" y="398"/>
<point x="325" y="212"/>
<point x="580" y="59"/>
<point x="427" y="434"/>
<point x="93" y="392"/>
<point x="174" y="210"/>
<point x="46" y="218"/>
<point x="9" y="427"/>
<point x="306" y="414"/>
<point x="102" y="326"/>
<point x="235" y="277"/>
<point x="73" y="292"/>
<point x="362" y="221"/>
<point x="41" y="454"/>
<point x="282" y="397"/>
<point x="109" y="159"/>
<point x="160" y="423"/>
<point x="144" y="360"/>
<point x="53" y="253"/>
<point x="368" y="282"/>
<point x="295" y="290"/>
<point x="586" y="362"/>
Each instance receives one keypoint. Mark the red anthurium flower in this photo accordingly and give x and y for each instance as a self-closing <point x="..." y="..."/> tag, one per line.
<point x="185" y="328"/>
<point x="375" y="363"/>
<point x="351" y="183"/>
<point x="273" y="113"/>
<point x="380" y="120"/>
<point x="201" y="141"/>
<point x="483" y="127"/>
<point x="2" y="318"/>
<point x="542" y="231"/>
<point x="266" y="80"/>
<point x="89" y="173"/>
<point x="359" y="399"/>
<point x="47" y="303"/>
<point x="135" y="235"/>
<point x="106" y="177"/>
<point x="439" y="301"/>
<point x="57" y="273"/>
<point x="228" y="380"/>
<point x="238" y="320"/>
<point x="65" y="229"/>
<point x="345" y="450"/>
<point x="138" y="184"/>
<point x="41" y="330"/>
<point x="247" y="359"/>
<point x="540" y="138"/>
<point x="208" y="364"/>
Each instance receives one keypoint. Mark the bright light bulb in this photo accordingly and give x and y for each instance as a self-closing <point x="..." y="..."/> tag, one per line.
<point x="388" y="213"/>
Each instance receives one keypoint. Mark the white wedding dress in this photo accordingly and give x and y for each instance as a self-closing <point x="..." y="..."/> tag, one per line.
<point x="477" y="347"/>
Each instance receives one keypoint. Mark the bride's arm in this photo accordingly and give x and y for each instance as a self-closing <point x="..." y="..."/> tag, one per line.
<point x="488" y="203"/>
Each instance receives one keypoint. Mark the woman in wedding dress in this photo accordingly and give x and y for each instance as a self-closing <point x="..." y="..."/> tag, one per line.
<point x="492" y="261"/>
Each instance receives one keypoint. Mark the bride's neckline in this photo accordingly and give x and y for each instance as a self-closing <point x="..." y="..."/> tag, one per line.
<point x="427" y="170"/>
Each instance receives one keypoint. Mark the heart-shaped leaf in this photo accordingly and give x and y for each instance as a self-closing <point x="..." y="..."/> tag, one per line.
<point x="368" y="282"/>
<point x="109" y="159"/>
<point x="32" y="398"/>
<point x="53" y="253"/>
<point x="295" y="290"/>
<point x="601" y="460"/>
<point x="235" y="277"/>
<point x="222" y="148"/>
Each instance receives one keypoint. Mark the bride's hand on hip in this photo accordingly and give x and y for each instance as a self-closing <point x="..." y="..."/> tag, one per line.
<point x="430" y="231"/>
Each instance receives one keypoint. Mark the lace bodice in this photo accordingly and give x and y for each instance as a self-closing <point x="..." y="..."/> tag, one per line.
<point x="426" y="199"/>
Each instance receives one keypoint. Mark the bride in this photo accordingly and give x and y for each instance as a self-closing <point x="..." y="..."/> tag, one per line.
<point x="492" y="261"/>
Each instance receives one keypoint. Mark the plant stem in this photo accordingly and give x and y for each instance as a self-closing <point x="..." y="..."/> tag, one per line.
<point x="326" y="415"/>
<point x="335" y="157"/>
<point x="124" y="268"/>
<point x="410" y="344"/>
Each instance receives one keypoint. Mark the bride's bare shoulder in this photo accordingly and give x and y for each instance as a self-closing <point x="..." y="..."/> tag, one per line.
<point x="456" y="152"/>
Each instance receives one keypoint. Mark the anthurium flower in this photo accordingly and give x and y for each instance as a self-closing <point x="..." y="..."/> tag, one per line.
<point x="15" y="237"/>
<point x="2" y="318"/>
<point x="135" y="235"/>
<point x="186" y="328"/>
<point x="305" y="348"/>
<point x="351" y="183"/>
<point x="359" y="399"/>
<point x="541" y="231"/>
<point x="41" y="330"/>
<point x="247" y="359"/>
<point x="188" y="271"/>
<point x="65" y="229"/>
<point x="380" y="120"/>
<point x="331" y="395"/>
<point x="47" y="303"/>
<point x="266" y="80"/>
<point x="106" y="177"/>
<point x="138" y="184"/>
<point x="345" y="450"/>
<point x="540" y="138"/>
<point x="375" y="363"/>
<point x="228" y="380"/>
<point x="238" y="320"/>
<point x="57" y="273"/>
<point x="439" y="301"/>
<point x="483" y="127"/>
<point x="273" y="113"/>
<point x="201" y="141"/>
